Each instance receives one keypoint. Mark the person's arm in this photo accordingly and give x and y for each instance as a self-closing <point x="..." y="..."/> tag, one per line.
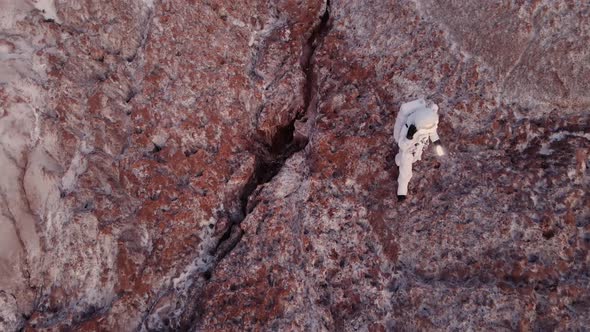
<point x="404" y="142"/>
<point x="434" y="138"/>
<point x="437" y="143"/>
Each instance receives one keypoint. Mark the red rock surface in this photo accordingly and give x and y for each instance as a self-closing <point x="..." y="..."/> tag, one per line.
<point x="228" y="165"/>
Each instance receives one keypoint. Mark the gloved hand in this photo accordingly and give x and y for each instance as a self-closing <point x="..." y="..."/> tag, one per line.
<point x="438" y="148"/>
<point x="400" y="198"/>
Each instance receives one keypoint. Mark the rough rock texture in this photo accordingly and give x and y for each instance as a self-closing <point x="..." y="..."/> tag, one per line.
<point x="228" y="165"/>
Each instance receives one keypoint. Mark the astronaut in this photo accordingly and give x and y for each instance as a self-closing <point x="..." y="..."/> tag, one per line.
<point x="415" y="125"/>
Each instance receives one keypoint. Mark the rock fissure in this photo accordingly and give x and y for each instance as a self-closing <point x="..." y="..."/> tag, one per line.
<point x="284" y="144"/>
<point x="25" y="268"/>
<point x="307" y="58"/>
<point x="150" y="309"/>
<point x="145" y="32"/>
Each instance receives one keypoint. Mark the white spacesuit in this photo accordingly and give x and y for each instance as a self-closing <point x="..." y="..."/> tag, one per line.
<point x="415" y="125"/>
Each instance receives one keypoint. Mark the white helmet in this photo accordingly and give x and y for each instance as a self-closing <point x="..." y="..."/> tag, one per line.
<point x="426" y="118"/>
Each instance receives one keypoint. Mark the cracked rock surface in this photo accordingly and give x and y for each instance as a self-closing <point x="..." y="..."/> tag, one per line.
<point x="229" y="165"/>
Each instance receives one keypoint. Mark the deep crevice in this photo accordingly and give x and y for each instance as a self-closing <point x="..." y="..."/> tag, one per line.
<point x="271" y="158"/>
<point x="307" y="56"/>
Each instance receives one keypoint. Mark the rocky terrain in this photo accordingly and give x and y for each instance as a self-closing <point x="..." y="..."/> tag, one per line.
<point x="229" y="165"/>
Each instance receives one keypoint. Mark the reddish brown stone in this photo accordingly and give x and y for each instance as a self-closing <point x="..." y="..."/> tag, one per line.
<point x="229" y="166"/>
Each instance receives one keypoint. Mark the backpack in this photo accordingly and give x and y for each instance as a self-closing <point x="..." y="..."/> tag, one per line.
<point x="404" y="112"/>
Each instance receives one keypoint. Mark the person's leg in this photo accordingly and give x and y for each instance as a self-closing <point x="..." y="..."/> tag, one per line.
<point x="405" y="173"/>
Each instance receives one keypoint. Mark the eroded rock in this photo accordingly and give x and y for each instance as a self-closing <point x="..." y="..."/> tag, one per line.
<point x="229" y="166"/>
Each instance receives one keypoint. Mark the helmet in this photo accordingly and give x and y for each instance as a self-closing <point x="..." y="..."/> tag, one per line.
<point x="426" y="118"/>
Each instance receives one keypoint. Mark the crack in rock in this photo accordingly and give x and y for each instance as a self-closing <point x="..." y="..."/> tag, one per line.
<point x="284" y="144"/>
<point x="307" y="57"/>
